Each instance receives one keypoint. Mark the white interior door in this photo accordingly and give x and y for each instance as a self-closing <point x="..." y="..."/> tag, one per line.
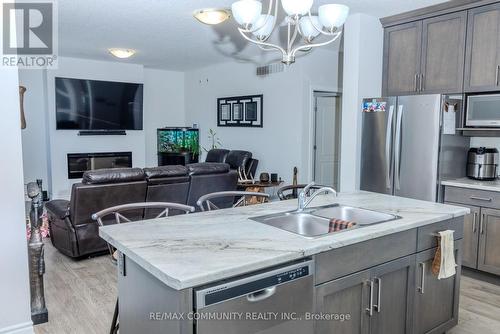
<point x="327" y="139"/>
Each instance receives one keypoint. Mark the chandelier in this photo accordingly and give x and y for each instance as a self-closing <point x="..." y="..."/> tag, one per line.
<point x="303" y="28"/>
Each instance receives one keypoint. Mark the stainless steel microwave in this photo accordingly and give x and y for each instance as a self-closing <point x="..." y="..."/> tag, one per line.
<point x="483" y="110"/>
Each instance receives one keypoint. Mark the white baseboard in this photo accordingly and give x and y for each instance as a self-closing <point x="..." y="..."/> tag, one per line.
<point x="23" y="328"/>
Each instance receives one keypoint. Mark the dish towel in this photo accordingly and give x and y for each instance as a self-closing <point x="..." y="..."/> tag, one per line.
<point x="337" y="225"/>
<point x="444" y="261"/>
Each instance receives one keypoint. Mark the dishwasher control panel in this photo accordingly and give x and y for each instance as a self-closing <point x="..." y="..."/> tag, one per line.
<point x="252" y="284"/>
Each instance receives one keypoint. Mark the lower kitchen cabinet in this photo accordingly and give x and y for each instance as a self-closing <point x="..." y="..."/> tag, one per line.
<point x="481" y="248"/>
<point x="436" y="301"/>
<point x="349" y="295"/>
<point x="378" y="300"/>
<point x="489" y="241"/>
<point x="470" y="241"/>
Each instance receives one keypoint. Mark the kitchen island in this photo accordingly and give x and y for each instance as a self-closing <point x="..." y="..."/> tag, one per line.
<point x="378" y="276"/>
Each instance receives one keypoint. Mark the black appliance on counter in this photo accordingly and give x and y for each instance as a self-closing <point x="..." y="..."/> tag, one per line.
<point x="482" y="163"/>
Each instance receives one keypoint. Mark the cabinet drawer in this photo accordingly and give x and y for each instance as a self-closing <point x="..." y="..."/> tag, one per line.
<point x="483" y="198"/>
<point x="350" y="259"/>
<point x="426" y="234"/>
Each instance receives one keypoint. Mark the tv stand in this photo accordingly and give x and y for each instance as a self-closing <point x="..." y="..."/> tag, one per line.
<point x="181" y="158"/>
<point x="102" y="133"/>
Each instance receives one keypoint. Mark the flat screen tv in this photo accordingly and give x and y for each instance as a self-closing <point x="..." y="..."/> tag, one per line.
<point x="98" y="105"/>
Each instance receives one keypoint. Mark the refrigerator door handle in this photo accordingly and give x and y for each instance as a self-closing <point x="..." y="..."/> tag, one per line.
<point x="388" y="144"/>
<point x="397" y="148"/>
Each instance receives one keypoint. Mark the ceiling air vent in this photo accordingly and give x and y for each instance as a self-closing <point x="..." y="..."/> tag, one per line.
<point x="270" y="69"/>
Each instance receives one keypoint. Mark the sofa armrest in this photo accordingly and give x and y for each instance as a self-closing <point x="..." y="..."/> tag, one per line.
<point x="58" y="207"/>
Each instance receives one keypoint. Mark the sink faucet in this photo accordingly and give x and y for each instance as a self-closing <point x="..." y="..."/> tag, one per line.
<point x="304" y="201"/>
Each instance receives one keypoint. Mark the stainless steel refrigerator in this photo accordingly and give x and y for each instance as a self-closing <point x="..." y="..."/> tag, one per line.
<point x="409" y="146"/>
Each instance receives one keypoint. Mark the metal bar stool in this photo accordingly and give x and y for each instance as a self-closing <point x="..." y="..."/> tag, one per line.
<point x="119" y="213"/>
<point x="206" y="202"/>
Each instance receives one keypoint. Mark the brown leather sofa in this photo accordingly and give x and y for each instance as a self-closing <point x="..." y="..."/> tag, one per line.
<point x="74" y="233"/>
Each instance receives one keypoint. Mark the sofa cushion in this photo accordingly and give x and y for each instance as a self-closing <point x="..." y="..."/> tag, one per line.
<point x="113" y="175"/>
<point x="205" y="168"/>
<point x="165" y="171"/>
<point x="238" y="159"/>
<point x="216" y="155"/>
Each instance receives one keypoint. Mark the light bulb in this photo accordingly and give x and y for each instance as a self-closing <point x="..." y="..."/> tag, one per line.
<point x="246" y="12"/>
<point x="297" y="7"/>
<point x="333" y="16"/>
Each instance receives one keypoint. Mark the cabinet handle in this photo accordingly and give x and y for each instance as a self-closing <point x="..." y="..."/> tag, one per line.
<point x="484" y="199"/>
<point x="416" y="82"/>
<point x="378" y="306"/>
<point x="481" y="224"/>
<point x="421" y="289"/>
<point x="370" y="307"/>
<point x="497" y="75"/>
<point x="421" y="83"/>
<point x="474" y="223"/>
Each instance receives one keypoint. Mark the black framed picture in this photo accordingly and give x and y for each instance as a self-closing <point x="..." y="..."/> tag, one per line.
<point x="251" y="111"/>
<point x="241" y="111"/>
<point x="225" y="112"/>
<point x="237" y="111"/>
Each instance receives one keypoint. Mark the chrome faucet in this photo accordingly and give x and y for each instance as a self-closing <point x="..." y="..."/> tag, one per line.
<point x="304" y="201"/>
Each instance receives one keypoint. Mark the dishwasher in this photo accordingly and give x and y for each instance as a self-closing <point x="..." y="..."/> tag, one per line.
<point x="274" y="301"/>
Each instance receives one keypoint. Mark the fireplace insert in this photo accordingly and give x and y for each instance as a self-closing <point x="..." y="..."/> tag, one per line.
<point x="79" y="163"/>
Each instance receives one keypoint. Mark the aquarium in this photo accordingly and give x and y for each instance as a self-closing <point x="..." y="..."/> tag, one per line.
<point x="178" y="140"/>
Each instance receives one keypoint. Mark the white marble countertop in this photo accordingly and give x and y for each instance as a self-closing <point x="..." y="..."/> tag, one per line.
<point x="473" y="184"/>
<point x="192" y="250"/>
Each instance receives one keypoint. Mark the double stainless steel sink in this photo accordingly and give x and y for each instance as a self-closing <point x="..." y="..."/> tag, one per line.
<point x="320" y="221"/>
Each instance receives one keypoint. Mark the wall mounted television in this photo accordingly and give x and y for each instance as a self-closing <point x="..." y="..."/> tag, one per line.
<point x="98" y="105"/>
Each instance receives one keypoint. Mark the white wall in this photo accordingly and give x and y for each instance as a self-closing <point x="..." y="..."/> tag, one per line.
<point x="163" y="106"/>
<point x="15" y="313"/>
<point x="35" y="136"/>
<point x="285" y="139"/>
<point x="363" y="52"/>
<point x="45" y="148"/>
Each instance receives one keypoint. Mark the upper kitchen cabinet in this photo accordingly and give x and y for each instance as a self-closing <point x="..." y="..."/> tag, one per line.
<point x="443" y="52"/>
<point x="402" y="51"/>
<point x="482" y="63"/>
<point x="425" y="56"/>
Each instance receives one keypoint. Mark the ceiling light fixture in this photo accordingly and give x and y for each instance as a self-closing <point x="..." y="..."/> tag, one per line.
<point x="122" y="53"/>
<point x="256" y="27"/>
<point x="212" y="16"/>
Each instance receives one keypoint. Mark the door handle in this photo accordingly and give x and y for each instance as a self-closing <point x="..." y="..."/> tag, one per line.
<point x="388" y="142"/>
<point x="369" y="309"/>
<point x="421" y="89"/>
<point x="421" y="288"/>
<point x="261" y="295"/>
<point x="416" y="82"/>
<point x="484" y="199"/>
<point x="474" y="223"/>
<point x="397" y="176"/>
<point x="378" y="306"/>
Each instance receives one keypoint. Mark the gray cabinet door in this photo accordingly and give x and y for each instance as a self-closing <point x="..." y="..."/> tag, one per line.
<point x="489" y="241"/>
<point x="402" y="53"/>
<point x="349" y="295"/>
<point x="443" y="53"/>
<point x="483" y="49"/>
<point x="393" y="296"/>
<point x="471" y="236"/>
<point x="436" y="301"/>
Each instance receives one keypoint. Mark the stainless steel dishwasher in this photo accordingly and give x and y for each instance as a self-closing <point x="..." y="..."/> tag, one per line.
<point x="274" y="301"/>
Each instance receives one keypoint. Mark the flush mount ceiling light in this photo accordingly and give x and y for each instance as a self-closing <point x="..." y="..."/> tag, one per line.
<point x="212" y="16"/>
<point x="122" y="53"/>
<point x="257" y="27"/>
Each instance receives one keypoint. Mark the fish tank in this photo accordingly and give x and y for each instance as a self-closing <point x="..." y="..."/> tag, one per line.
<point x="179" y="140"/>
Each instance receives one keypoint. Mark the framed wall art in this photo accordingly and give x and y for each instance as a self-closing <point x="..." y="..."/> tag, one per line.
<point x="241" y="111"/>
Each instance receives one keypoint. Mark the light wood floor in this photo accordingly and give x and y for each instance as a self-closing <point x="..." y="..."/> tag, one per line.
<point x="81" y="296"/>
